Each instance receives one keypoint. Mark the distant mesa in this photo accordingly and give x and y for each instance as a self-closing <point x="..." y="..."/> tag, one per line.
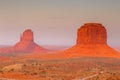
<point x="27" y="36"/>
<point x="25" y="40"/>
<point x="25" y="45"/>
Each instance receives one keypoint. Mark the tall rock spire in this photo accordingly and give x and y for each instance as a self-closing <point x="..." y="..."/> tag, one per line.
<point x="27" y="36"/>
<point x="25" y="45"/>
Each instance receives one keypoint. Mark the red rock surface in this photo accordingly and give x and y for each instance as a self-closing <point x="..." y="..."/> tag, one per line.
<point x="92" y="34"/>
<point x="25" y="45"/>
<point x="27" y="36"/>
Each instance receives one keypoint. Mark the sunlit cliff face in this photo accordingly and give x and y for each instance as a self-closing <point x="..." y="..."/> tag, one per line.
<point x="92" y="33"/>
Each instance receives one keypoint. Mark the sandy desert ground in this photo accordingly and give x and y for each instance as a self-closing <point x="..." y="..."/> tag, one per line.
<point x="84" y="68"/>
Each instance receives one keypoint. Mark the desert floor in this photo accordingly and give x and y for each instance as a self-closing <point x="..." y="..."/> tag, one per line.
<point x="83" y="68"/>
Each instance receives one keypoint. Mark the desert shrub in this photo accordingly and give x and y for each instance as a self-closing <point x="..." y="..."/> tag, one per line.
<point x="43" y="72"/>
<point x="34" y="73"/>
<point x="1" y="72"/>
<point x="24" y="65"/>
<point x="12" y="69"/>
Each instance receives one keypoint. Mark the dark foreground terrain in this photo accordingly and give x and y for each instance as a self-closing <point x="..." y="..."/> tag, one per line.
<point x="84" y="68"/>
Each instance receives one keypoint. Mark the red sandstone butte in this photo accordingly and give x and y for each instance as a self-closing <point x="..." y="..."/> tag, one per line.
<point x="25" y="45"/>
<point x="91" y="42"/>
<point x="92" y="33"/>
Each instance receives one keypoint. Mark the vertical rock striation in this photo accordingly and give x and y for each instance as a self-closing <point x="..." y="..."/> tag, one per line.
<point x="92" y="33"/>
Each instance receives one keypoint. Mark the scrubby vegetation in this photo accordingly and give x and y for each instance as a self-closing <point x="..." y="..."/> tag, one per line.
<point x="65" y="69"/>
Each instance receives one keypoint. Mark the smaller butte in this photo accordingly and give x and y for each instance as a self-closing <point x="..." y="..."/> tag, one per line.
<point x="25" y="45"/>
